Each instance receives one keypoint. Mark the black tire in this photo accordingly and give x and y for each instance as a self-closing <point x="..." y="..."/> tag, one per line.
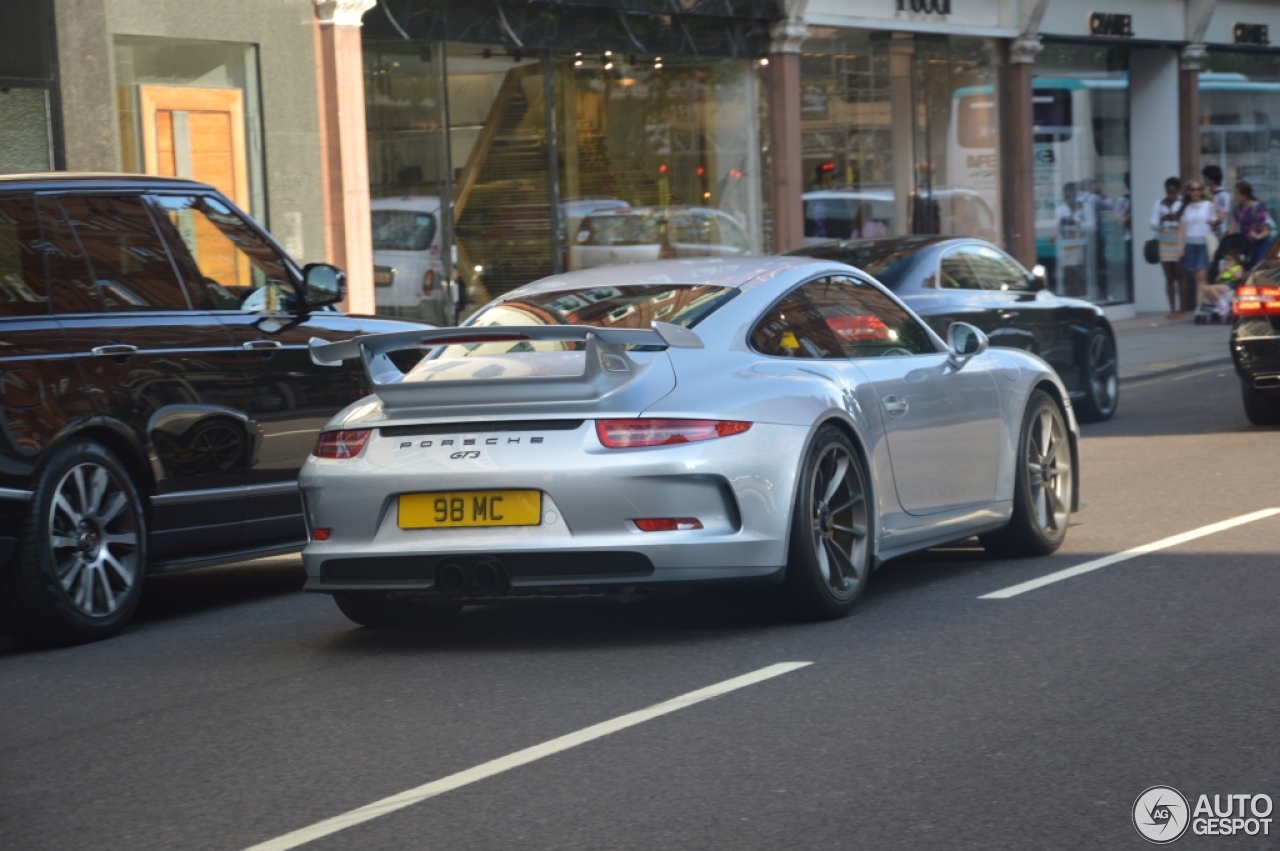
<point x="1262" y="409"/>
<point x="832" y="530"/>
<point x="1100" y="376"/>
<point x="379" y="611"/>
<point x="1043" y="487"/>
<point x="81" y="561"/>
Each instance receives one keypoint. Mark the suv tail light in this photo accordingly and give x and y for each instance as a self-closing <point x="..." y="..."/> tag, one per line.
<point x="428" y="282"/>
<point x="1252" y="300"/>
<point x="341" y="444"/>
<point x="626" y="434"/>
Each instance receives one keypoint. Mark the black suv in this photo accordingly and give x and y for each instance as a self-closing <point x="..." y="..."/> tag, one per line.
<point x="157" y="396"/>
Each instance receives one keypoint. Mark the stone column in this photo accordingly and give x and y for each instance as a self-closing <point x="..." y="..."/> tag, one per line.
<point x="344" y="147"/>
<point x="1189" y="63"/>
<point x="1019" y="142"/>
<point x="784" y="134"/>
<point x="902" y="129"/>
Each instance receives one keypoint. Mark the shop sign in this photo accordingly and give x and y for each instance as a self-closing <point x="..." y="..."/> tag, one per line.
<point x="1111" y="24"/>
<point x="1255" y="34"/>
<point x="925" y="7"/>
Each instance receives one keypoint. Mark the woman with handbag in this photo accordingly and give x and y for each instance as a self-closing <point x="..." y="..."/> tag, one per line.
<point x="1166" y="216"/>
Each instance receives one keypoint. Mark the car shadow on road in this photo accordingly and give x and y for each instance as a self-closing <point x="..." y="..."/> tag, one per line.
<point x="178" y="594"/>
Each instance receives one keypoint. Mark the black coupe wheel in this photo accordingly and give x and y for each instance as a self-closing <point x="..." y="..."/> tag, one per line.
<point x="1101" y="378"/>
<point x="1262" y="409"/>
<point x="831" y="536"/>
<point x="1044" y="485"/>
<point x="82" y="555"/>
<point x="378" y="611"/>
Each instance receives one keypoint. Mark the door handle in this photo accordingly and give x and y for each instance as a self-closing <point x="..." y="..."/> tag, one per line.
<point x="261" y="345"/>
<point x="895" y="406"/>
<point x="113" y="350"/>
<point x="1008" y="314"/>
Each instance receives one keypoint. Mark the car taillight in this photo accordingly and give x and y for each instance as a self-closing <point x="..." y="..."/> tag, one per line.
<point x="1253" y="300"/>
<point x="625" y="434"/>
<point x="341" y="444"/>
<point x="860" y="329"/>
<point x="428" y="282"/>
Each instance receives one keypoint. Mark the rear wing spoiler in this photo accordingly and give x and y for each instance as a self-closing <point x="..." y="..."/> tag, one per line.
<point x="607" y="365"/>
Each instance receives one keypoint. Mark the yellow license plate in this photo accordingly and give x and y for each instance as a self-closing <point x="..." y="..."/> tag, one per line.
<point x="448" y="509"/>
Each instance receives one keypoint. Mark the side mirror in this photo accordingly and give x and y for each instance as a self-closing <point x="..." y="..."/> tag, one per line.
<point x="965" y="342"/>
<point x="1039" y="279"/>
<point x="324" y="284"/>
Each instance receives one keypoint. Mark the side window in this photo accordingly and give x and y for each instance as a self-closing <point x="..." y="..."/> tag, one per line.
<point x="131" y="268"/>
<point x="865" y="321"/>
<point x="226" y="262"/>
<point x="793" y="328"/>
<point x="22" y="286"/>
<point x="958" y="272"/>
<point x="71" y="286"/>
<point x="998" y="272"/>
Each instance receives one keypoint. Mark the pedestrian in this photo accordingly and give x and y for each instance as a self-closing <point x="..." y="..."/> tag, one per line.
<point x="1075" y="226"/>
<point x="1165" y="216"/>
<point x="1098" y="202"/>
<point x="1124" y="218"/>
<point x="1252" y="221"/>
<point x="1215" y="191"/>
<point x="1197" y="222"/>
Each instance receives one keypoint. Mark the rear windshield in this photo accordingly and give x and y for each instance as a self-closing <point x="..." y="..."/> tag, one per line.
<point x="634" y="306"/>
<point x="626" y="229"/>
<point x="403" y="230"/>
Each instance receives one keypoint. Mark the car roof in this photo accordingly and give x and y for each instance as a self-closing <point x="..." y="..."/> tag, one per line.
<point x="96" y="180"/>
<point x="917" y="242"/>
<point x="689" y="271"/>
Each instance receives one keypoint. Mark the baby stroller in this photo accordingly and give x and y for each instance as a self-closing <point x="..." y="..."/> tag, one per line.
<point x="1215" y="312"/>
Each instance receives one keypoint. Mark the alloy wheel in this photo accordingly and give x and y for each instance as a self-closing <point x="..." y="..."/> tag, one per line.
<point x="1103" y="377"/>
<point x="839" y="520"/>
<point x="93" y="539"/>
<point x="1049" y="468"/>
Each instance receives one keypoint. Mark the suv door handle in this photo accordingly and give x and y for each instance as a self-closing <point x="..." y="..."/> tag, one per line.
<point x="261" y="345"/>
<point x="114" y="350"/>
<point x="895" y="406"/>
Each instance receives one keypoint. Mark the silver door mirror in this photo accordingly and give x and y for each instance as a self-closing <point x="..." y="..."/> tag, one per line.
<point x="965" y="342"/>
<point x="324" y="284"/>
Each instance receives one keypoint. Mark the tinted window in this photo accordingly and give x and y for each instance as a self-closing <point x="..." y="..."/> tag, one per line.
<point x="958" y="272"/>
<point x="795" y="328"/>
<point x="228" y="264"/>
<point x="22" y="286"/>
<point x="403" y="230"/>
<point x="71" y="286"/>
<point x="130" y="264"/>
<point x="976" y="267"/>
<point x="866" y="322"/>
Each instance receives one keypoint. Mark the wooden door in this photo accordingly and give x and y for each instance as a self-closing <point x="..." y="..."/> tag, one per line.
<point x="198" y="134"/>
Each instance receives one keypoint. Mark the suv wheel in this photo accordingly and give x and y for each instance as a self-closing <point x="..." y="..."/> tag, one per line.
<point x="78" y="573"/>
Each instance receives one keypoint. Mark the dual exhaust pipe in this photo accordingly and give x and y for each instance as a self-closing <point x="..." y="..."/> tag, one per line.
<point x="478" y="578"/>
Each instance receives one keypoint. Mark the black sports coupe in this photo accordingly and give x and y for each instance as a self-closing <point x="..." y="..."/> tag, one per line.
<point x="948" y="279"/>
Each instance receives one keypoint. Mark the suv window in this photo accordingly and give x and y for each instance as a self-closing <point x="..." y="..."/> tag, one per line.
<point x="958" y="272"/>
<point x="867" y="322"/>
<point x="979" y="267"/>
<point x="226" y="261"/>
<point x="130" y="264"/>
<point x="22" y="286"/>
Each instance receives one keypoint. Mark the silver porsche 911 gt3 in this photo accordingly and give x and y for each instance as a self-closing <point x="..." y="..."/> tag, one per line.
<point x="769" y="419"/>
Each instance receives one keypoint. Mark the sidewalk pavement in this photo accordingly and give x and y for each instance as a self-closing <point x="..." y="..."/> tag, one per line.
<point x="1150" y="345"/>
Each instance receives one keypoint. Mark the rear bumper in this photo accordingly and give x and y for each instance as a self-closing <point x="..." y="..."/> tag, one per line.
<point x="1255" y="350"/>
<point x="740" y="488"/>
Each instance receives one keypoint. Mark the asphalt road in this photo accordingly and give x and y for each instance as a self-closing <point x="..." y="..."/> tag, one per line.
<point x="237" y="710"/>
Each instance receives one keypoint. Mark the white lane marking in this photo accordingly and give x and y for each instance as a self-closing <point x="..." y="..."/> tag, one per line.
<point x="517" y="759"/>
<point x="1107" y="561"/>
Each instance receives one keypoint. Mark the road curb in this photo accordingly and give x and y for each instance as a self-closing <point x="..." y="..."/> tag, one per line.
<point x="1172" y="370"/>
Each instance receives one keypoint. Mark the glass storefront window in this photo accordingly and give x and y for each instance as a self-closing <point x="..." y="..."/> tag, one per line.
<point x="659" y="158"/>
<point x="24" y="131"/>
<point x="900" y="135"/>
<point x="192" y="109"/>
<point x="1240" y="120"/>
<point x="1081" y="113"/>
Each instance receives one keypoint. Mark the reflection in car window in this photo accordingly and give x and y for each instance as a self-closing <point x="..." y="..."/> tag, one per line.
<point x="631" y="306"/>
<point x="227" y="262"/>
<point x="958" y="272"/>
<point x="22" y="287"/>
<point x="866" y="321"/>
<point x="794" y="328"/>
<point x="402" y="230"/>
<point x="130" y="263"/>
<point x="998" y="272"/>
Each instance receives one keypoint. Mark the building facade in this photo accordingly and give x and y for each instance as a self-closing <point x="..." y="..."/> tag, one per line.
<point x="570" y="133"/>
